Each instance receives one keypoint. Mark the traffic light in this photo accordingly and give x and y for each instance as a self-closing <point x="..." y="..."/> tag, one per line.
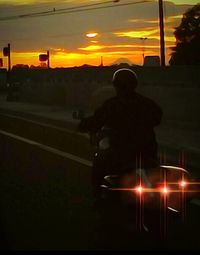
<point x="43" y="57"/>
<point x="6" y="51"/>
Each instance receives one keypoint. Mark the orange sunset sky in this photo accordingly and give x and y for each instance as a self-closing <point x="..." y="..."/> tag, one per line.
<point x="77" y="37"/>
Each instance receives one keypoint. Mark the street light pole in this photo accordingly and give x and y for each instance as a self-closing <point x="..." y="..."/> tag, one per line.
<point x="143" y="48"/>
<point x="162" y="35"/>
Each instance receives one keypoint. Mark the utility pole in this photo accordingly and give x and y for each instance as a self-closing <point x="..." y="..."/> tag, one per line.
<point x="48" y="60"/>
<point x="162" y="35"/>
<point x="9" y="58"/>
<point x="6" y="53"/>
<point x="9" y="64"/>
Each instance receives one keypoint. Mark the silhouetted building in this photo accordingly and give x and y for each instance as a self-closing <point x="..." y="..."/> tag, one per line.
<point x="152" y="61"/>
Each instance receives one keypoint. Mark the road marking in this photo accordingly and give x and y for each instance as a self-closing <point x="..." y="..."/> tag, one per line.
<point x="49" y="149"/>
<point x="195" y="201"/>
<point x="66" y="130"/>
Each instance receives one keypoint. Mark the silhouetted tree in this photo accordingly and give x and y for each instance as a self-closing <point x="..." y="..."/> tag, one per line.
<point x="187" y="49"/>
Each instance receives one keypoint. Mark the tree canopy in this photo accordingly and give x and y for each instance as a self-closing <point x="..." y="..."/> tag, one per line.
<point x="187" y="49"/>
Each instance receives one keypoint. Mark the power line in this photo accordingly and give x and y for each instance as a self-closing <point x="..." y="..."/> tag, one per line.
<point x="88" y="7"/>
<point x="62" y="9"/>
<point x="53" y="10"/>
<point x="96" y="8"/>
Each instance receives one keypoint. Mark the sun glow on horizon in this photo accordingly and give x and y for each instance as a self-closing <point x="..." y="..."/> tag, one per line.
<point x="91" y="35"/>
<point x="64" y="59"/>
<point x="138" y="34"/>
<point x="91" y="54"/>
<point x="83" y="45"/>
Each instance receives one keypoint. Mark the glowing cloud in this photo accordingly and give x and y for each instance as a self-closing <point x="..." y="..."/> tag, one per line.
<point x="137" y="34"/>
<point x="92" y="48"/>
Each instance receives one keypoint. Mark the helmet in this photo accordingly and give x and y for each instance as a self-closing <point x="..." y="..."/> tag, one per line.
<point x="125" y="78"/>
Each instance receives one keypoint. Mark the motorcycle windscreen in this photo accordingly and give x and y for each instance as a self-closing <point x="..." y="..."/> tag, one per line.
<point x="163" y="186"/>
<point x="176" y="181"/>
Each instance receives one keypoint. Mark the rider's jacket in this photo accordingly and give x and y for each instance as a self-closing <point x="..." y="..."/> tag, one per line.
<point x="130" y="123"/>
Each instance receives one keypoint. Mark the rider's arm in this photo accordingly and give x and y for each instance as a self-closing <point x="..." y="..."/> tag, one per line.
<point x="95" y="122"/>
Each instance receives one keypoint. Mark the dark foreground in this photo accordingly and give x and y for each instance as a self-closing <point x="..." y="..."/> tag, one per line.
<point x="37" y="215"/>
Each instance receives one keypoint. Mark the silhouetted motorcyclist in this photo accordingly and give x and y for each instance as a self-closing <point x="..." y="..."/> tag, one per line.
<point x="128" y="119"/>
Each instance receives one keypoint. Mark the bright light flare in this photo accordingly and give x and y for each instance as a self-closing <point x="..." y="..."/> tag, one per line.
<point x="165" y="190"/>
<point x="183" y="184"/>
<point x="139" y="189"/>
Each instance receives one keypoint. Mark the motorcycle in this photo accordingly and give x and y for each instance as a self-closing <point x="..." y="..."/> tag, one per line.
<point x="144" y="200"/>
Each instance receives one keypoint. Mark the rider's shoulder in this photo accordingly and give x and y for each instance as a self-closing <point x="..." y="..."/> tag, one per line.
<point x="145" y="100"/>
